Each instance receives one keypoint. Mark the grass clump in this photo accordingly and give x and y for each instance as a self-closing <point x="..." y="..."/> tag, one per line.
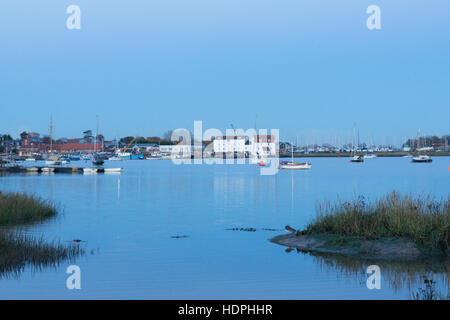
<point x="20" y="208"/>
<point x="423" y="219"/>
<point x="19" y="249"/>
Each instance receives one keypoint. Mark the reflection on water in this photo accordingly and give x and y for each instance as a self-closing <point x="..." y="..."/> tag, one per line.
<point x="397" y="274"/>
<point x="131" y="218"/>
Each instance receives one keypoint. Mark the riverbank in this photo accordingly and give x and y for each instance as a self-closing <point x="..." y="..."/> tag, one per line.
<point x="394" y="226"/>
<point x="384" y="248"/>
<point x="19" y="249"/>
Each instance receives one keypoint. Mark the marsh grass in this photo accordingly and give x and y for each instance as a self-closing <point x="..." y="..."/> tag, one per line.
<point x="19" y="249"/>
<point x="20" y="209"/>
<point x="423" y="219"/>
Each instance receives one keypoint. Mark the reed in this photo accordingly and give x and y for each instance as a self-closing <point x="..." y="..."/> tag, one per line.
<point x="20" y="209"/>
<point x="19" y="249"/>
<point x="423" y="219"/>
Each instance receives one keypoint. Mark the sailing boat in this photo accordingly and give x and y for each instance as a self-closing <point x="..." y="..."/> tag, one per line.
<point x="420" y="157"/>
<point x="355" y="158"/>
<point x="52" y="159"/>
<point x="291" y="165"/>
<point x="97" y="161"/>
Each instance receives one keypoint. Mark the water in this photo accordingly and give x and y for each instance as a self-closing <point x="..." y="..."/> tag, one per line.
<point x="128" y="221"/>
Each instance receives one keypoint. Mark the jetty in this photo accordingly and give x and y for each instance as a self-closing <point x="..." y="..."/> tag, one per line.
<point x="57" y="169"/>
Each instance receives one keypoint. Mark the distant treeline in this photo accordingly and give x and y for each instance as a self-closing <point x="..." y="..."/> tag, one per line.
<point x="429" y="141"/>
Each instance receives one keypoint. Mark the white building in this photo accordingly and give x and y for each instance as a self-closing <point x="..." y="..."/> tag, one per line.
<point x="227" y="144"/>
<point x="264" y="145"/>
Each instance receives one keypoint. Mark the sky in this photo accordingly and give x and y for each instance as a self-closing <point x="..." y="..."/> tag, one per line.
<point x="311" y="69"/>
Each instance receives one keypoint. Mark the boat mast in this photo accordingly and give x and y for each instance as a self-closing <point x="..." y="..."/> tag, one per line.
<point x="418" y="141"/>
<point x="292" y="152"/>
<point x="353" y="141"/>
<point x="51" y="134"/>
<point x="96" y="135"/>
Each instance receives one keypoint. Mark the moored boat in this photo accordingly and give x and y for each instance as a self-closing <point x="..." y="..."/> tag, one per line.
<point x="52" y="162"/>
<point x="90" y="170"/>
<point x="292" y="165"/>
<point x="295" y="165"/>
<point x="356" y="159"/>
<point x="370" y="156"/>
<point x="422" y="158"/>
<point x="113" y="170"/>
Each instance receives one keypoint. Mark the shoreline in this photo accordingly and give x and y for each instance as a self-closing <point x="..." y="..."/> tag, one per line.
<point x="387" y="248"/>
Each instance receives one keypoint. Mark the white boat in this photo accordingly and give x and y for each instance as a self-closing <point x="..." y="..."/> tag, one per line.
<point x="52" y="162"/>
<point x="408" y="156"/>
<point x="113" y="170"/>
<point x="357" y="159"/>
<point x="115" y="158"/>
<point x="32" y="169"/>
<point x="30" y="159"/>
<point x="47" y="170"/>
<point x="370" y="156"/>
<point x="290" y="165"/>
<point x="422" y="158"/>
<point x="90" y="170"/>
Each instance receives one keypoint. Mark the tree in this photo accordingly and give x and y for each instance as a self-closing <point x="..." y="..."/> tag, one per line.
<point x="126" y="140"/>
<point x="23" y="135"/>
<point x="7" y="137"/>
<point x="168" y="135"/>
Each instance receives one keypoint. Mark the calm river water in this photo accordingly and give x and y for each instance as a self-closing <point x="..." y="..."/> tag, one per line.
<point x="128" y="221"/>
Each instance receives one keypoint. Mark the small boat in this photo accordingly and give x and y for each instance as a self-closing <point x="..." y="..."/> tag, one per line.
<point x="113" y="170"/>
<point x="356" y="159"/>
<point x="422" y="158"/>
<point x="90" y="170"/>
<point x="408" y="156"/>
<point x="32" y="169"/>
<point x="48" y="170"/>
<point x="291" y="165"/>
<point x="115" y="158"/>
<point x="295" y="165"/>
<point x="370" y="156"/>
<point x="30" y="159"/>
<point x="53" y="162"/>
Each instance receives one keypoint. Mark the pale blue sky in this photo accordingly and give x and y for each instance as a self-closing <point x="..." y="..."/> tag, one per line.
<point x="309" y="68"/>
